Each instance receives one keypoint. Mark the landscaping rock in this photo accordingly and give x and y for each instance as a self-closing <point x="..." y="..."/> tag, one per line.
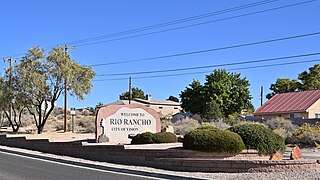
<point x="295" y="153"/>
<point x="276" y="156"/>
<point x="168" y="129"/>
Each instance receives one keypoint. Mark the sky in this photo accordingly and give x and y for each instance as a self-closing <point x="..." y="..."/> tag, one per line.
<point x="50" y="23"/>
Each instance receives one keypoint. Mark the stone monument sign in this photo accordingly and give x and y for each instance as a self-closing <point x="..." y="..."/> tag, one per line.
<point x="114" y="123"/>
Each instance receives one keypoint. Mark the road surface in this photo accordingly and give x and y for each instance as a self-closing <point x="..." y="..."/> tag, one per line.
<point x="19" y="166"/>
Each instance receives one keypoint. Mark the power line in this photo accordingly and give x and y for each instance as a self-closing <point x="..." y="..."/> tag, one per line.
<point x="192" y="25"/>
<point x="211" y="66"/>
<point x="174" y="22"/>
<point x="202" y="72"/>
<point x="198" y="24"/>
<point x="160" y="25"/>
<point x="209" y="50"/>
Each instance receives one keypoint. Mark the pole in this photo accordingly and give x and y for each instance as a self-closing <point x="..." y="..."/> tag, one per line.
<point x="130" y="90"/>
<point x="261" y="95"/>
<point x="65" y="89"/>
<point x="65" y="94"/>
<point x="10" y="81"/>
<point x="72" y="123"/>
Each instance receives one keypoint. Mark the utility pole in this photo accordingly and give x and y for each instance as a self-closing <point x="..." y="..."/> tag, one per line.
<point x="130" y="90"/>
<point x="10" y="82"/>
<point x="65" y="89"/>
<point x="261" y="95"/>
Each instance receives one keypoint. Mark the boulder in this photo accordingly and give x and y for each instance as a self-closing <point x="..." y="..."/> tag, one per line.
<point x="295" y="153"/>
<point x="168" y="129"/>
<point x="276" y="156"/>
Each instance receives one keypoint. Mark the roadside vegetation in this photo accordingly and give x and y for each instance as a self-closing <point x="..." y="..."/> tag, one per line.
<point x="35" y="83"/>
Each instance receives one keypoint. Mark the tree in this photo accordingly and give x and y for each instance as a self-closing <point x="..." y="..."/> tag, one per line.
<point x="228" y="90"/>
<point x="284" y="85"/>
<point x="193" y="98"/>
<point x="136" y="93"/>
<point x="306" y="81"/>
<point x="310" y="80"/>
<point x="11" y="99"/>
<point x="249" y="109"/>
<point x="212" y="111"/>
<point x="43" y="78"/>
<point x="173" y="98"/>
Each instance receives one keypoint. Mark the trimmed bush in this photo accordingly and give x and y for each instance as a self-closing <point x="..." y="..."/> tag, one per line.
<point x="164" y="137"/>
<point x="212" y="139"/>
<point x="144" y="138"/>
<point x="149" y="138"/>
<point x="259" y="137"/>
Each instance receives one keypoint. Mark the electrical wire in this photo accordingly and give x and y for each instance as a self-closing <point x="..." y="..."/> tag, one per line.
<point x="198" y="24"/>
<point x="211" y="66"/>
<point x="203" y="72"/>
<point x="209" y="50"/>
<point x="174" y="22"/>
<point x="160" y="25"/>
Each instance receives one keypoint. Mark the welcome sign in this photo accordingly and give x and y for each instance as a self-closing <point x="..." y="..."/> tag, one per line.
<point x="115" y="123"/>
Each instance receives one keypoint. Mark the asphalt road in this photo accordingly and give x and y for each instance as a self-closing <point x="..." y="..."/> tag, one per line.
<point x="19" y="167"/>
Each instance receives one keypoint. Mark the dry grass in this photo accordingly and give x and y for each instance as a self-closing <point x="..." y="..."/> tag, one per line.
<point x="84" y="122"/>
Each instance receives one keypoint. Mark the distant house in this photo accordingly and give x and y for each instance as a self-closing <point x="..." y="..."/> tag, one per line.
<point x="165" y="107"/>
<point x="304" y="104"/>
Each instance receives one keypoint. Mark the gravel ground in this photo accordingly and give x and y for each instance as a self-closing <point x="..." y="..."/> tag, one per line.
<point x="222" y="176"/>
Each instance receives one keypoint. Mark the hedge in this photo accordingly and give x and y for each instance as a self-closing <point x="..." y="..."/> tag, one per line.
<point x="211" y="139"/>
<point x="259" y="137"/>
<point x="149" y="138"/>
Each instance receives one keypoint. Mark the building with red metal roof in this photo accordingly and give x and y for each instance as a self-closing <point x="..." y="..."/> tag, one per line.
<point x="304" y="104"/>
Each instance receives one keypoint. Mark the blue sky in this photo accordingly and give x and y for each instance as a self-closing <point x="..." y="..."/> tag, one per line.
<point x="45" y="23"/>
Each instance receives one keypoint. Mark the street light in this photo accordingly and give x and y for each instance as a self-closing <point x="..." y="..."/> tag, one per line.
<point x="73" y="113"/>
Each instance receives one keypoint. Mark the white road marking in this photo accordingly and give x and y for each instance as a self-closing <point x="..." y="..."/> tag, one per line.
<point x="83" y="167"/>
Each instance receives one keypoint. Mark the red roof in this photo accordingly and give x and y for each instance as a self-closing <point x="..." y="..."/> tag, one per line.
<point x="286" y="102"/>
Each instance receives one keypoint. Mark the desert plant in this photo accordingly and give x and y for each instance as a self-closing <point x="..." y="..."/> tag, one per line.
<point x="306" y="135"/>
<point x="164" y="137"/>
<point x="259" y="137"/>
<point x="232" y="119"/>
<point x="87" y="124"/>
<point x="182" y="127"/>
<point x="220" y="124"/>
<point x="212" y="139"/>
<point x="58" y="125"/>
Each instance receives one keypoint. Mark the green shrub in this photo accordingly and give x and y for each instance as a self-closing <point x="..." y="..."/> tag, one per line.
<point x="149" y="138"/>
<point x="144" y="138"/>
<point x="164" y="137"/>
<point x="208" y="127"/>
<point x="259" y="137"/>
<point x="212" y="139"/>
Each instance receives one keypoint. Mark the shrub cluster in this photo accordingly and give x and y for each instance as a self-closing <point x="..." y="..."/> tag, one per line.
<point x="212" y="139"/>
<point x="144" y="138"/>
<point x="182" y="126"/>
<point x="149" y="138"/>
<point x="306" y="135"/>
<point x="259" y="137"/>
<point x="88" y="124"/>
<point x="281" y="126"/>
